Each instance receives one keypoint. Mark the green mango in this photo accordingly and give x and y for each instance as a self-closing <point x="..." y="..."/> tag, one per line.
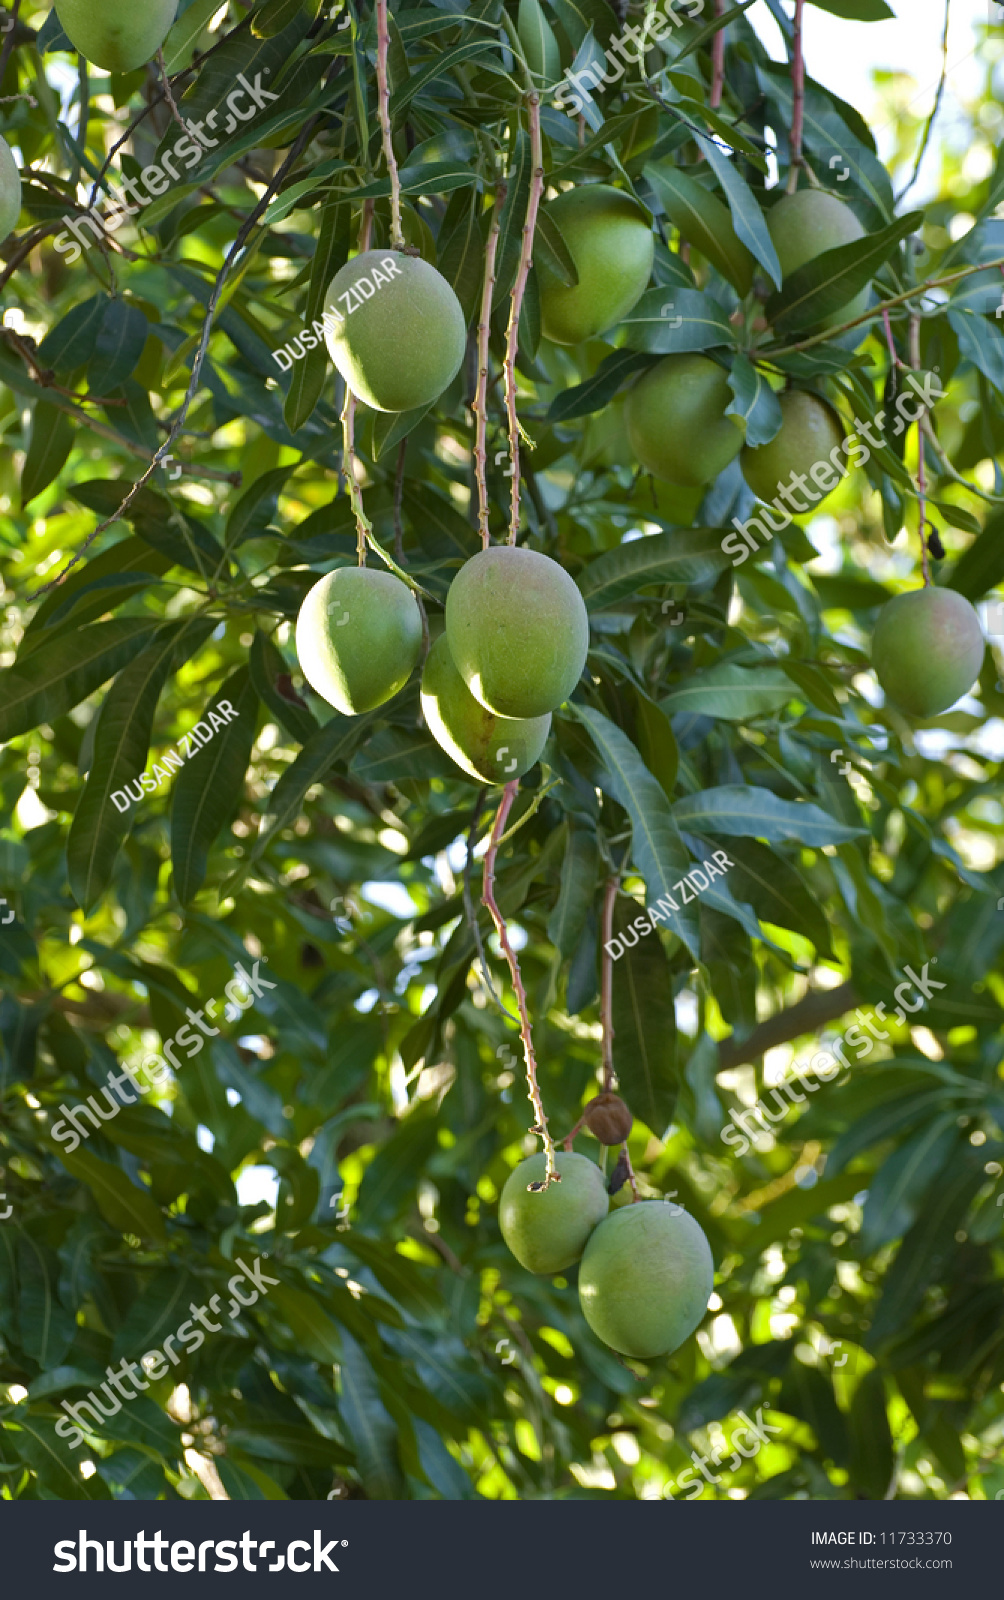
<point x="358" y="638"/>
<point x="927" y="650"/>
<point x="118" y="35"/>
<point x="809" y="431"/>
<point x="546" y="1230"/>
<point x="10" y="191"/>
<point x="645" y="1279"/>
<point x="676" y="421"/>
<point x="394" y="329"/>
<point x="489" y="748"/>
<point x="518" y="631"/>
<point x="807" y="224"/>
<point x="610" y="241"/>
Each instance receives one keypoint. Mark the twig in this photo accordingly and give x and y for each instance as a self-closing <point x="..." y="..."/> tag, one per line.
<point x="383" y="100"/>
<point x="402" y="451"/>
<point x="717" y="61"/>
<point x="364" y="528"/>
<point x="472" y="921"/>
<point x="488" y="899"/>
<point x="798" y="98"/>
<point x="607" y="983"/>
<point x="516" y="301"/>
<point x="929" y="127"/>
<point x="8" y="43"/>
<point x="632" y="1180"/>
<point x="176" y="114"/>
<point x="480" y="406"/>
<point x="921" y="471"/>
<point x="243" y="235"/>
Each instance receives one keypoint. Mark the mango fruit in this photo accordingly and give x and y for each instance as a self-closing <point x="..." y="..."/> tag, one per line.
<point x="676" y="422"/>
<point x="358" y="638"/>
<point x="118" y="35"/>
<point x="610" y="241"/>
<point x="394" y="329"/>
<point x="546" y="1230"/>
<point x="489" y="748"/>
<point x="927" y="650"/>
<point x="645" y="1279"/>
<point x="807" y="224"/>
<point x="10" y="191"/>
<point x="809" y="431"/>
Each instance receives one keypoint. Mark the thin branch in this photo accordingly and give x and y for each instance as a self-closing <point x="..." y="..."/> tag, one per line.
<point x="472" y="920"/>
<point x="516" y="301"/>
<point x="243" y="235"/>
<point x="717" y="61"/>
<point x="808" y="1015"/>
<point x="402" y="451"/>
<point x="798" y="98"/>
<point x="8" y="43"/>
<point x="168" y="95"/>
<point x="364" y="527"/>
<point x="929" y="127"/>
<point x="488" y="899"/>
<point x="383" y="100"/>
<point x="607" y="983"/>
<point x="480" y="406"/>
<point x="921" y="468"/>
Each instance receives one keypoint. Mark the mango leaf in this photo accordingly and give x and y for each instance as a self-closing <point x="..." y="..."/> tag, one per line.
<point x="667" y="321"/>
<point x="371" y="1426"/>
<point x="755" y="402"/>
<point x="856" y="10"/>
<point x="760" y="814"/>
<point x="578" y="884"/>
<point x="52" y="436"/>
<point x="43" y="1450"/>
<point x="903" y="1178"/>
<point x="118" y="347"/>
<point x="872" y="1458"/>
<point x="644" y="1022"/>
<point x="72" y="666"/>
<point x="584" y="398"/>
<point x="685" y="555"/>
<point x="747" y="218"/>
<point x="730" y="691"/>
<point x="657" y="850"/>
<point x="981" y="567"/>
<point x="127" y="1207"/>
<point x="982" y="343"/>
<point x="312" y="1327"/>
<point x="208" y="788"/>
<point x="829" y="282"/>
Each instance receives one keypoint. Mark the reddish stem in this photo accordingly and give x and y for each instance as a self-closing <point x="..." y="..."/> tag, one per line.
<point x="798" y="98"/>
<point x="632" y="1180"/>
<point x="383" y="99"/>
<point x="717" y="61"/>
<point x="480" y="407"/>
<point x="488" y="899"/>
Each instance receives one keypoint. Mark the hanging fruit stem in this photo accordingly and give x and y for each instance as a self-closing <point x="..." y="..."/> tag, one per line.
<point x="480" y="406"/>
<point x="921" y="464"/>
<point x="717" y="61"/>
<point x="383" y="98"/>
<point x="364" y="528"/>
<point x="488" y="899"/>
<point x="797" y="98"/>
<point x="607" y="983"/>
<point x="516" y="302"/>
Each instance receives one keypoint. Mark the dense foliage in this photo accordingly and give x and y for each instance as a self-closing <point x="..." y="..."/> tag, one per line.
<point x="399" y="1351"/>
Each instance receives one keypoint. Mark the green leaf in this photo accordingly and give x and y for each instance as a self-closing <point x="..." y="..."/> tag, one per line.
<point x="827" y="283"/>
<point x="760" y="814"/>
<point x="980" y="568"/>
<point x="644" y="1024"/>
<point x="551" y="251"/>
<point x="685" y="555"/>
<point x="317" y="757"/>
<point x="578" y="884"/>
<point x="903" y="1179"/>
<point x="47" y="1328"/>
<point x="179" y="46"/>
<point x="856" y="10"/>
<point x="872" y="1457"/>
<point x="982" y="343"/>
<point x="285" y="1441"/>
<point x="127" y="1207"/>
<point x="43" y="1450"/>
<point x="704" y="221"/>
<point x="208" y="788"/>
<point x="667" y="321"/>
<point x="371" y="1426"/>
<point x="121" y="744"/>
<point x="730" y="691"/>
<point x="747" y="218"/>
<point x="52" y="436"/>
<point x="273" y="16"/>
<point x="394" y="754"/>
<point x="755" y="402"/>
<point x="71" y="343"/>
<point x="657" y="850"/>
<point x="314" y="1331"/>
<point x="267" y="666"/>
<point x="771" y="885"/>
<point x="52" y="681"/>
<point x="584" y="398"/>
<point x="118" y="347"/>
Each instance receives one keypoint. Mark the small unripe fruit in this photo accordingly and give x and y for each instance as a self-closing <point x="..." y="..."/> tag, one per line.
<point x="806" y="225"/>
<point x="608" y="1118"/>
<point x="611" y="243"/>
<point x="10" y="191"/>
<point x="358" y="637"/>
<point x="119" y="35"/>
<point x="394" y="329"/>
<point x="645" y="1279"/>
<point x="809" y="432"/>
<point x="518" y="631"/>
<point x="547" y="1229"/>
<point x="927" y="650"/>
<point x="490" y="748"/>
<point x="676" y="422"/>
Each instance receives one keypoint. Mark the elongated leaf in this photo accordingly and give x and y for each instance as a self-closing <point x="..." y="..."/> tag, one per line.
<point x="443" y="64"/>
<point x="644" y="1021"/>
<point x="126" y="1207"/>
<point x="584" y="398"/>
<point x="901" y="1182"/>
<point x="51" y="443"/>
<point x="856" y="10"/>
<point x="755" y="402"/>
<point x="120" y="751"/>
<point x="666" y="321"/>
<point x="71" y="343"/>
<point x="872" y="1457"/>
<point x="72" y="666"/>
<point x="318" y="756"/>
<point x="46" y="1453"/>
<point x="828" y="135"/>
<point x="747" y="218"/>
<point x="551" y="251"/>
<point x="371" y="1426"/>
<point x="760" y="814"/>
<point x="981" y="567"/>
<point x="827" y="283"/>
<point x="704" y="222"/>
<point x="119" y="345"/>
<point x="776" y="892"/>
<point x="208" y="788"/>
<point x="982" y="343"/>
<point x="180" y="43"/>
<point x="731" y="692"/>
<point x="46" y="1327"/>
<point x="657" y="850"/>
<point x="313" y="1328"/>
<point x="578" y="884"/>
<point x="686" y="555"/>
